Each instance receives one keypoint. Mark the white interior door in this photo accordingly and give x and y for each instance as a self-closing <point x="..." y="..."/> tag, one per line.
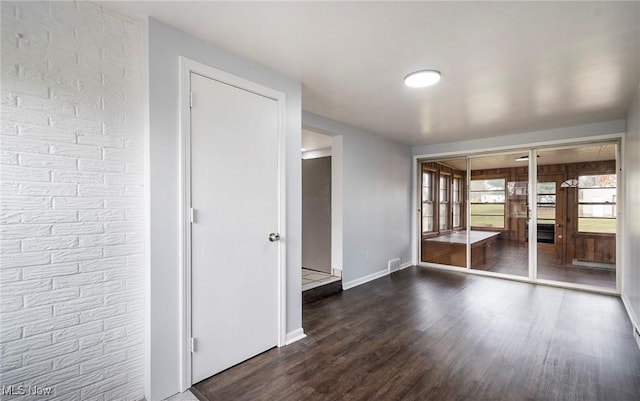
<point x="234" y="192"/>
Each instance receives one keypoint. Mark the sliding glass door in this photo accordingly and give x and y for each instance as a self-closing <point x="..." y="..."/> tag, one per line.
<point x="498" y="213"/>
<point x="576" y="227"/>
<point x="544" y="215"/>
<point x="443" y="212"/>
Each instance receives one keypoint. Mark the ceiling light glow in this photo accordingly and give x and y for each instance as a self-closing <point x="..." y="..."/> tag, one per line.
<point x="421" y="79"/>
<point x="525" y="158"/>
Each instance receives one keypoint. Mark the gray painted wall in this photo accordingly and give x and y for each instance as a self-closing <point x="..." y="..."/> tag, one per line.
<point x="631" y="250"/>
<point x="316" y="214"/>
<point x="165" y="45"/>
<point x="376" y="197"/>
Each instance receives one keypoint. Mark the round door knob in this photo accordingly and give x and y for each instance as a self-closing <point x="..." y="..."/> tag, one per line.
<point x="273" y="237"/>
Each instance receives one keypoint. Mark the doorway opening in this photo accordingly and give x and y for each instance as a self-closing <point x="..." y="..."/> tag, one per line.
<point x="546" y="215"/>
<point x="317" y="268"/>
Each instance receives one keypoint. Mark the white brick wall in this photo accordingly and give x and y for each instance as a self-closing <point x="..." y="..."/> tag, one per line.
<point x="72" y="199"/>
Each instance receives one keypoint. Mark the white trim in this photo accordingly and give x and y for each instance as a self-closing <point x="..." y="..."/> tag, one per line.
<point x="184" y="219"/>
<point x="522" y="279"/>
<point x="147" y="219"/>
<point x="187" y="67"/>
<point x="621" y="189"/>
<point x="525" y="146"/>
<point x="365" y="279"/>
<point x="532" y="213"/>
<point x="294" y="336"/>
<point x="464" y="270"/>
<point x="337" y="201"/>
<point x="574" y="286"/>
<point x="593" y="265"/>
<point x="467" y="206"/>
<point x="404" y="266"/>
<point x="632" y="317"/>
<point x="416" y="246"/>
<point x="317" y="153"/>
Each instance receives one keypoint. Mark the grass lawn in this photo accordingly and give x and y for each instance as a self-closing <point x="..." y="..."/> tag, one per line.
<point x="592" y="225"/>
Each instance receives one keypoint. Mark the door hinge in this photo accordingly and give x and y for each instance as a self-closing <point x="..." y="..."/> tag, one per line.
<point x="193" y="215"/>
<point x="190" y="99"/>
<point x="193" y="345"/>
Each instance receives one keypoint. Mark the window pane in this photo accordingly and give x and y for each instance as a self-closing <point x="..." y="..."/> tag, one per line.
<point x="427" y="201"/>
<point x="426" y="180"/>
<point x="487" y="185"/>
<point x="456" y="189"/>
<point x="427" y="224"/>
<point x="456" y="215"/>
<point x="547" y="188"/>
<point x="597" y="203"/>
<point x="546" y="202"/>
<point x="426" y="194"/>
<point x="427" y="186"/>
<point x="597" y="181"/>
<point x="487" y="221"/>
<point x="427" y="209"/>
<point x="487" y="209"/>
<point x="427" y="217"/>
<point x="546" y="214"/>
<point x="444" y="188"/>
<point x="595" y="225"/>
<point x="443" y="217"/>
<point x="487" y="197"/>
<point x="589" y="195"/>
<point x="518" y="188"/>
<point x="546" y="199"/>
<point x="597" y="211"/>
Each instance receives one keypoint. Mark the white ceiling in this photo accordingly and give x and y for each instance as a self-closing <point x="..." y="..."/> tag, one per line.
<point x="507" y="67"/>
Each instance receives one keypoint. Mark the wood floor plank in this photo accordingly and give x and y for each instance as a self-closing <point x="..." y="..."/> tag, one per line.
<point x="422" y="334"/>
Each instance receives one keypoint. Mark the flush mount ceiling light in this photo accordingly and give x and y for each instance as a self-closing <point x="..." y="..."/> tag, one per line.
<point x="421" y="79"/>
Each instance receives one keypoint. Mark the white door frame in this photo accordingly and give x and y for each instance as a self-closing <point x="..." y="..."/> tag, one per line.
<point x="187" y="67"/>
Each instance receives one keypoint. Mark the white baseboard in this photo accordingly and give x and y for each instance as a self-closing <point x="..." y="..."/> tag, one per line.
<point x="294" y="336"/>
<point x="404" y="266"/>
<point x="365" y="279"/>
<point x="632" y="316"/>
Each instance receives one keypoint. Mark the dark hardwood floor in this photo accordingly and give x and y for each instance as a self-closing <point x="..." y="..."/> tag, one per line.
<point x="422" y="334"/>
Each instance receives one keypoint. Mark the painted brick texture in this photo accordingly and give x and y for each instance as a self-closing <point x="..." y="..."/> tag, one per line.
<point x="72" y="202"/>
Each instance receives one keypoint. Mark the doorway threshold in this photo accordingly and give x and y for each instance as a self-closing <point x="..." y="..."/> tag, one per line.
<point x="312" y="279"/>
